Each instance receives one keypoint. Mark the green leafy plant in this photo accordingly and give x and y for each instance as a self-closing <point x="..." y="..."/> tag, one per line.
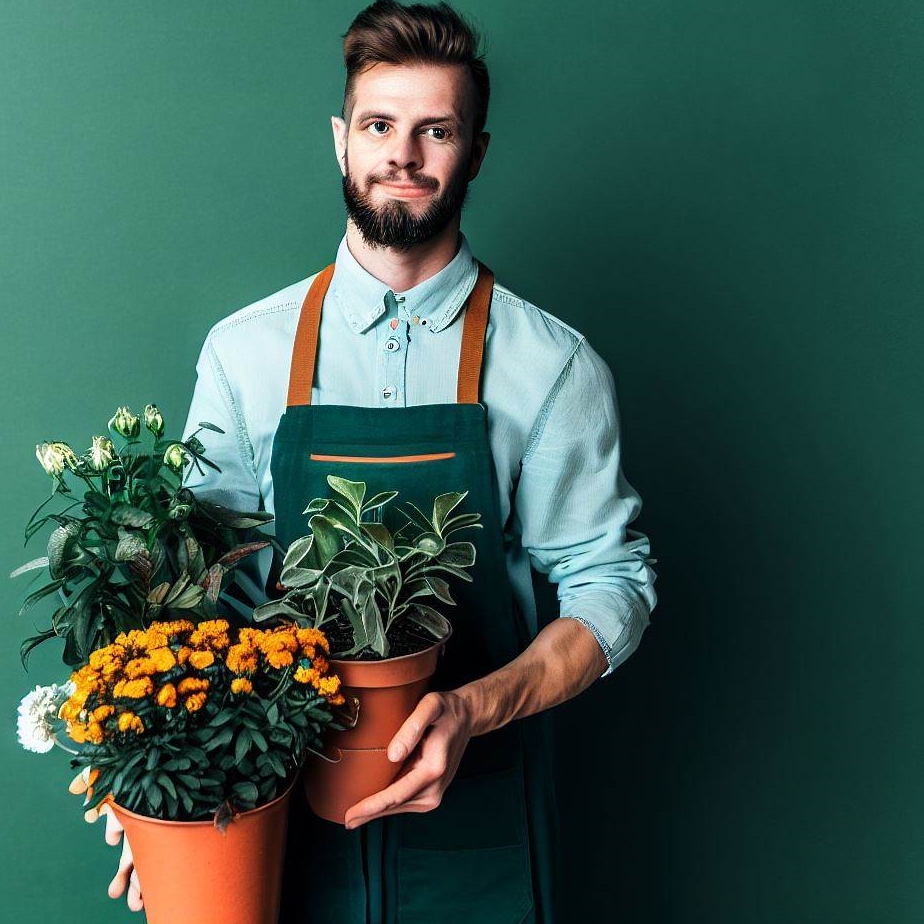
<point x="135" y="545"/>
<point x="351" y="569"/>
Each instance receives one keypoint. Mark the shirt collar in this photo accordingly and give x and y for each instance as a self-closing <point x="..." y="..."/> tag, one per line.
<point x="437" y="300"/>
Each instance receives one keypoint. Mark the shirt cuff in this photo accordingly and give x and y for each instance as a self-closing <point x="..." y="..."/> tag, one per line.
<point x="616" y="623"/>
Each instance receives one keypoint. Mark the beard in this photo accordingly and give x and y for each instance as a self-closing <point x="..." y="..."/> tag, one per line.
<point x="394" y="224"/>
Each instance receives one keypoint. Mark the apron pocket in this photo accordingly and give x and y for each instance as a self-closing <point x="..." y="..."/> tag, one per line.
<point x="483" y="811"/>
<point x="475" y="884"/>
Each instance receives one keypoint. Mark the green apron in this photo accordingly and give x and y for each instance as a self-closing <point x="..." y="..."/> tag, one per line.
<point x="487" y="852"/>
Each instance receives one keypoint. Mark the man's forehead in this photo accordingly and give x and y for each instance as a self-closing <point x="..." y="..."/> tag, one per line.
<point x="412" y="91"/>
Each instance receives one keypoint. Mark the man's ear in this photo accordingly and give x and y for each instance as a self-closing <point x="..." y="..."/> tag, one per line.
<point x="339" y="127"/>
<point x="479" y="149"/>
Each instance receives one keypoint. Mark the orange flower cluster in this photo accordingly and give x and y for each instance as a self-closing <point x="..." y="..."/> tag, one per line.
<point x="282" y="648"/>
<point x="131" y="670"/>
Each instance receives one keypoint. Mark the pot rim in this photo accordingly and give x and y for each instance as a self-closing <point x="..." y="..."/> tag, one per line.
<point x="210" y="823"/>
<point x="395" y="660"/>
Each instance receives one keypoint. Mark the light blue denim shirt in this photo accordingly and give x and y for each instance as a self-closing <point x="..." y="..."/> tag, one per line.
<point x="553" y="425"/>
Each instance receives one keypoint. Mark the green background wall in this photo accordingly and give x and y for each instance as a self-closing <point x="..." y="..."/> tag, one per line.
<point x="726" y="198"/>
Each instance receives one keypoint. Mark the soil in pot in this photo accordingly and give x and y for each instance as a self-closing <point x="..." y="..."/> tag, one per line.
<point x="404" y="638"/>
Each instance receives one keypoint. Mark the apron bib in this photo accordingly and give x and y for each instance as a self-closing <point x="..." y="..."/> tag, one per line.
<point x="486" y="853"/>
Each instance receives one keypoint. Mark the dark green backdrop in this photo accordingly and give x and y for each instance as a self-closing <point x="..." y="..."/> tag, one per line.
<point x="726" y="198"/>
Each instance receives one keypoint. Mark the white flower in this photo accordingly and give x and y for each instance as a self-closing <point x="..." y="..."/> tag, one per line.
<point x="37" y="708"/>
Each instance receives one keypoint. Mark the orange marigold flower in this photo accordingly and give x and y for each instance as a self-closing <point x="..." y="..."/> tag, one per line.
<point x="195" y="702"/>
<point x="95" y="733"/>
<point x="192" y="685"/>
<point x="241" y="659"/>
<point x="77" y="731"/>
<point x="201" y="659"/>
<point x="279" y="659"/>
<point x="135" y="639"/>
<point x="213" y="633"/>
<point x="101" y="713"/>
<point x="306" y="675"/>
<point x="309" y="637"/>
<point x="136" y="689"/>
<point x="175" y="628"/>
<point x="241" y="685"/>
<point x="69" y="711"/>
<point x="139" y="667"/>
<point x="249" y="637"/>
<point x="322" y="664"/>
<point x="166" y="696"/>
<point x="337" y="700"/>
<point x="163" y="660"/>
<point x="128" y="721"/>
<point x="282" y="639"/>
<point x="329" y="685"/>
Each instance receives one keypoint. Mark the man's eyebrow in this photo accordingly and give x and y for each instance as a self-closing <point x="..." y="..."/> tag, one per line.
<point x="429" y="120"/>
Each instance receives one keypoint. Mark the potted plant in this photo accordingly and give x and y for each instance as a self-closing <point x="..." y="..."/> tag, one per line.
<point x="195" y="735"/>
<point x="365" y="586"/>
<point x="134" y="545"/>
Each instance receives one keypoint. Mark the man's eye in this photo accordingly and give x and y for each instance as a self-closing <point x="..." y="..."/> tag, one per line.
<point x="444" y="132"/>
<point x="379" y="123"/>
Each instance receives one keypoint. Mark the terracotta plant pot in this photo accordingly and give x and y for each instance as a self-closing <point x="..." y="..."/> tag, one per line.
<point x="191" y="871"/>
<point x="358" y="764"/>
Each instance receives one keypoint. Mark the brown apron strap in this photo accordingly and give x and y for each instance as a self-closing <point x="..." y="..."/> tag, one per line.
<point x="305" y="348"/>
<point x="475" y="322"/>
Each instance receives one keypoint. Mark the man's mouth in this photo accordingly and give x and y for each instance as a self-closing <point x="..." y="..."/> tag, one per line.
<point x="406" y="190"/>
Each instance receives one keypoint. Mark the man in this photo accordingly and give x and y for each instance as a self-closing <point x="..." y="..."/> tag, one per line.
<point x="533" y="415"/>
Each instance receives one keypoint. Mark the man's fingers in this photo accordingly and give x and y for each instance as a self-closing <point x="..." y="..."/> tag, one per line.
<point x="114" y="831"/>
<point x="428" y="710"/>
<point x="135" y="902"/>
<point x="79" y="785"/>
<point x="402" y="790"/>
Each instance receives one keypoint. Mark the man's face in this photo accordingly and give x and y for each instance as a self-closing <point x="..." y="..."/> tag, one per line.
<point x="407" y="155"/>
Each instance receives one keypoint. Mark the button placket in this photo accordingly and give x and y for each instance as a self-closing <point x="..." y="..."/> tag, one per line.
<point x="392" y="369"/>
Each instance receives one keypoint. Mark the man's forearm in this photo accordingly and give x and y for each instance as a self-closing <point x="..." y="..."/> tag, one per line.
<point x="560" y="662"/>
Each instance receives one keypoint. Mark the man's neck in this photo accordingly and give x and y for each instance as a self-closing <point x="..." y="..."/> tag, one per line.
<point x="402" y="271"/>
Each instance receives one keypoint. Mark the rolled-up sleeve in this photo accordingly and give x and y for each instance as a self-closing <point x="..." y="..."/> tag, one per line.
<point x="235" y="486"/>
<point x="574" y="504"/>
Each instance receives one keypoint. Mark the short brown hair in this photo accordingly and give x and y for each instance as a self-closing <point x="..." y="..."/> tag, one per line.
<point x="390" y="33"/>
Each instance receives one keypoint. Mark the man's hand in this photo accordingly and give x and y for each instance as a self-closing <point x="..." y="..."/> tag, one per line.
<point x="126" y="875"/>
<point x="433" y="739"/>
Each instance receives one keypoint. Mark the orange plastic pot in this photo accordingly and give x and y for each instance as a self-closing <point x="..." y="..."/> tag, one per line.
<point x="357" y="764"/>
<point x="191" y="871"/>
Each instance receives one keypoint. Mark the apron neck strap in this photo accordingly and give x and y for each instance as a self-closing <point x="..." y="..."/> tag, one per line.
<point x="475" y="322"/>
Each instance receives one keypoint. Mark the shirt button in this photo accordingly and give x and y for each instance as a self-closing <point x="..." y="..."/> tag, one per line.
<point x="389" y="391"/>
<point x="392" y="344"/>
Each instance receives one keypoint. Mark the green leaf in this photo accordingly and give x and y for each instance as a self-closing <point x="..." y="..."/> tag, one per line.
<point x="126" y="515"/>
<point x="430" y="544"/>
<point x="326" y="538"/>
<point x="459" y="554"/>
<point x="41" y="592"/>
<point x="381" y="534"/>
<point x="443" y="505"/>
<point x="428" y="618"/>
<point x="30" y="566"/>
<point x="247" y="792"/>
<point x="33" y="642"/>
<point x="353" y="491"/>
<point x="60" y="545"/>
<point x="379" y="500"/>
<point x="242" y="744"/>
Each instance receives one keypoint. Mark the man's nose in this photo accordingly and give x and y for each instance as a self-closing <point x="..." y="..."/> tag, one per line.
<point x="405" y="153"/>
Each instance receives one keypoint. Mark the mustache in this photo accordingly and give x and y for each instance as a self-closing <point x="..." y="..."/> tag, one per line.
<point x="420" y="181"/>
